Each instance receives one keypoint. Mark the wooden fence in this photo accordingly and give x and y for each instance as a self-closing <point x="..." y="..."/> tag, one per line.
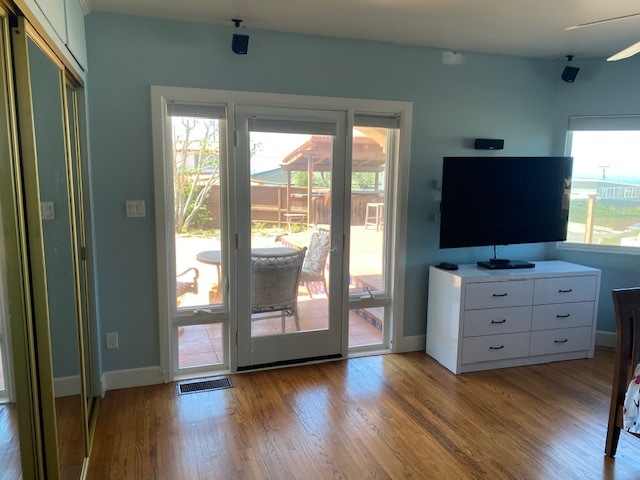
<point x="269" y="205"/>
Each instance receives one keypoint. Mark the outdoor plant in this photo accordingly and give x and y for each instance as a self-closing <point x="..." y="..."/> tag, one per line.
<point x="196" y="167"/>
<point x="196" y="170"/>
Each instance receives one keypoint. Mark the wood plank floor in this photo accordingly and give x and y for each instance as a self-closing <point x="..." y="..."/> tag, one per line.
<point x="390" y="416"/>
<point x="10" y="468"/>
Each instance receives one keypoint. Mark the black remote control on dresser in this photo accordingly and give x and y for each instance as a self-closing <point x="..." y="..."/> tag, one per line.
<point x="447" y="266"/>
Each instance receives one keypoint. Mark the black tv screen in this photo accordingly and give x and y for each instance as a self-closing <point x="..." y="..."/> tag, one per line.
<point x="504" y="200"/>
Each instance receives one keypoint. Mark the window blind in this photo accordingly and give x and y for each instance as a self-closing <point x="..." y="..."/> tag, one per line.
<point x="199" y="110"/>
<point x="376" y="120"/>
<point x="279" y="125"/>
<point x="604" y="123"/>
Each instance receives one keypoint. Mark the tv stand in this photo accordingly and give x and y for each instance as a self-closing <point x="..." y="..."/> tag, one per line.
<point x="504" y="264"/>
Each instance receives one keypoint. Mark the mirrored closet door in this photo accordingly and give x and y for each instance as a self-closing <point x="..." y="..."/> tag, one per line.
<point x="16" y="408"/>
<point x="48" y="126"/>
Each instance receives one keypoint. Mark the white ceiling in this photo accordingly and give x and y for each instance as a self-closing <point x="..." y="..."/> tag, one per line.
<point x="527" y="28"/>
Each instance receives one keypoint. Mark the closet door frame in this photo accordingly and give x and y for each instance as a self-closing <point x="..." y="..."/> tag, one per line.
<point x="19" y="295"/>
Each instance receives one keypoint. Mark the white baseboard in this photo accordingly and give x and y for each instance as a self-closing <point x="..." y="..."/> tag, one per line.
<point x="134" y="377"/>
<point x="606" y="339"/>
<point x="410" y="344"/>
<point x="66" y="386"/>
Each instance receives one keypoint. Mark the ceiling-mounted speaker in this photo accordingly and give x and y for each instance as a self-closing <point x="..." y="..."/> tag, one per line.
<point x="569" y="74"/>
<point x="489" y="144"/>
<point x="240" y="44"/>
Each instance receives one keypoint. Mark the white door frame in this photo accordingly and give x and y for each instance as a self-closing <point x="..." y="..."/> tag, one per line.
<point x="160" y="95"/>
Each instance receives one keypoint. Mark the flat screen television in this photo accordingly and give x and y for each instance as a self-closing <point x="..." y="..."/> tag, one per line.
<point x="504" y="201"/>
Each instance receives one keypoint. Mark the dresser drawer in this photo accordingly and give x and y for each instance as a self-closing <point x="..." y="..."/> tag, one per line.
<point x="497" y="320"/>
<point x="498" y="294"/>
<point x="495" y="347"/>
<point x="561" y="340"/>
<point x="565" y="289"/>
<point x="562" y="315"/>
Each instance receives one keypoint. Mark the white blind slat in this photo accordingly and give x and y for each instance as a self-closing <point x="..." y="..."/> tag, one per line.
<point x="257" y="124"/>
<point x="178" y="109"/>
<point x="604" y="123"/>
<point x="374" y="120"/>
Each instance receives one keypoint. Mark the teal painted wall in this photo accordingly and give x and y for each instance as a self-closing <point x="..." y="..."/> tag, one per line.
<point x="601" y="88"/>
<point x="486" y="97"/>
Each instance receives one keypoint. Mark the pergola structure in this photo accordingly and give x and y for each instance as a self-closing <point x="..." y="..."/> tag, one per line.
<point x="316" y="154"/>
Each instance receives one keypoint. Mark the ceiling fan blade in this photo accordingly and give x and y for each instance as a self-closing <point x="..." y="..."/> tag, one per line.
<point x="626" y="53"/>
<point x="597" y="22"/>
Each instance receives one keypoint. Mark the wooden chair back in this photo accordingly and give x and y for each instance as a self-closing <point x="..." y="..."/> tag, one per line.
<point x="626" y="303"/>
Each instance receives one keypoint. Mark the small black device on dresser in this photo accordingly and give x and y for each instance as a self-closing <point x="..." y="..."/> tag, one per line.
<point x="447" y="266"/>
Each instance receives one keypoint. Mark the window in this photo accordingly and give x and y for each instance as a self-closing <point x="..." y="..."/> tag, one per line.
<point x="604" y="212"/>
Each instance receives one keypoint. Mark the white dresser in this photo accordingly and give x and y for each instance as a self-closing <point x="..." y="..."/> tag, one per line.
<point x="481" y="319"/>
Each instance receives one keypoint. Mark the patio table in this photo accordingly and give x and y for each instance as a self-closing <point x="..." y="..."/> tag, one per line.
<point x="213" y="257"/>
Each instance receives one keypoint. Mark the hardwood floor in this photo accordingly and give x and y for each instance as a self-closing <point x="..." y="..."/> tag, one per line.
<point x="390" y="416"/>
<point x="10" y="468"/>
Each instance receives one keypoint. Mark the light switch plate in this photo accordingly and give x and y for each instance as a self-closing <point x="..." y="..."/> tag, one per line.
<point x="47" y="211"/>
<point x="135" y="208"/>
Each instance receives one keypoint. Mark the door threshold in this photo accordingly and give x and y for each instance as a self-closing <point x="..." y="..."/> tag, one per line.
<point x="287" y="363"/>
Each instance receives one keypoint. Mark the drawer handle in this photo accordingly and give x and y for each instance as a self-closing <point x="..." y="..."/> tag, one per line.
<point x="499" y="321"/>
<point x="563" y="316"/>
<point x="497" y="348"/>
<point x="500" y="294"/>
<point x="565" y="291"/>
<point x="561" y="341"/>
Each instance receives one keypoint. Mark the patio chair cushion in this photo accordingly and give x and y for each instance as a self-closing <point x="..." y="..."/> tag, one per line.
<point x="316" y="258"/>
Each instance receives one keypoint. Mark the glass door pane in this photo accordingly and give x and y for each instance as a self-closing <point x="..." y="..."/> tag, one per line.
<point x="199" y="267"/>
<point x="291" y="210"/>
<point x="294" y="254"/>
<point x="373" y="152"/>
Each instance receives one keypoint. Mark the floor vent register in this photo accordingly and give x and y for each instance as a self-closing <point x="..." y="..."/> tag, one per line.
<point x="204" y="386"/>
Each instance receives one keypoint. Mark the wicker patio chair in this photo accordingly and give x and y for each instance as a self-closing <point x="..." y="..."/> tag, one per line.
<point x="313" y="268"/>
<point x="274" y="284"/>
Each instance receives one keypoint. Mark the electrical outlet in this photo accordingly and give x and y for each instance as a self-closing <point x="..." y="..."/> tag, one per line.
<point x="112" y="340"/>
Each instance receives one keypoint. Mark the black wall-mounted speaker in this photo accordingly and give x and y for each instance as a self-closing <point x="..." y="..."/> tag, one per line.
<point x="569" y="74"/>
<point x="489" y="144"/>
<point x="240" y="44"/>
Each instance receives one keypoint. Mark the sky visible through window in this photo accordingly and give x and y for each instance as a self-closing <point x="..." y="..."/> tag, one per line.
<point x="271" y="148"/>
<point x="614" y="155"/>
